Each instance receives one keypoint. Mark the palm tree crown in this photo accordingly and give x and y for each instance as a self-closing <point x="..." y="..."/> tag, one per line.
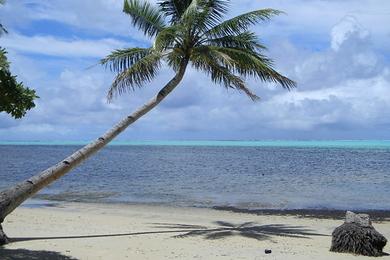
<point x="193" y="31"/>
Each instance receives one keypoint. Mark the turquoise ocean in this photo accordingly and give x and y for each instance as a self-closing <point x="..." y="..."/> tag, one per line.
<point x="343" y="175"/>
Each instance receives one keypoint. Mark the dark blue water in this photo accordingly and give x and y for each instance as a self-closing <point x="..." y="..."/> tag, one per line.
<point x="249" y="177"/>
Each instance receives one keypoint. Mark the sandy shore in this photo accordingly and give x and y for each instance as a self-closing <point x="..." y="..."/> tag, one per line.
<point x="97" y="231"/>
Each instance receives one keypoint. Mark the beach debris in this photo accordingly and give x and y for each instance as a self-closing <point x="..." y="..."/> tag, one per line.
<point x="268" y="251"/>
<point x="357" y="236"/>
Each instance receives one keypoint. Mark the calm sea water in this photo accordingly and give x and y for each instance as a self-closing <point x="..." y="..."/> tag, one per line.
<point x="268" y="174"/>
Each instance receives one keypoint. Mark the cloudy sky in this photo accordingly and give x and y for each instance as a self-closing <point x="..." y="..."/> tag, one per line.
<point x="337" y="51"/>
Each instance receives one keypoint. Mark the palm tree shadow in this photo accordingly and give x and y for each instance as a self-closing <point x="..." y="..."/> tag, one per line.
<point x="19" y="254"/>
<point x="247" y="229"/>
<point x="223" y="229"/>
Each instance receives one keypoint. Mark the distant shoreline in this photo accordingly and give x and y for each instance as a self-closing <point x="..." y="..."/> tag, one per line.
<point x="348" y="144"/>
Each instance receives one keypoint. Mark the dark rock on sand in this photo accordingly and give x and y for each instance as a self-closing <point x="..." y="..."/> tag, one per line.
<point x="358" y="236"/>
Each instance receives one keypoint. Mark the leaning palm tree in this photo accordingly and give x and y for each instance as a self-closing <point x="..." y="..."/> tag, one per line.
<point x="184" y="32"/>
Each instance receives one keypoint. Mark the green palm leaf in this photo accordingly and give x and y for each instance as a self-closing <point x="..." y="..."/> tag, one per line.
<point x="144" y="70"/>
<point x="121" y="60"/>
<point x="168" y="38"/>
<point x="174" y="58"/>
<point x="214" y="10"/>
<point x="144" y="16"/>
<point x="205" y="60"/>
<point x="241" y="23"/>
<point x="251" y="64"/>
<point x="174" y="8"/>
<point x="204" y="14"/>
<point x="244" y="41"/>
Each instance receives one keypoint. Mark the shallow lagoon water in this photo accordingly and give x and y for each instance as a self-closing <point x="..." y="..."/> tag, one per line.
<point x="262" y="174"/>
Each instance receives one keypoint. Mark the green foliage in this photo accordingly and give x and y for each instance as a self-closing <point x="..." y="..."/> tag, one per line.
<point x="4" y="64"/>
<point x="242" y="22"/>
<point x="144" y="16"/>
<point x="210" y="62"/>
<point x="144" y="70"/>
<point x="15" y="99"/>
<point x="195" y="30"/>
<point x="174" y="8"/>
<point x="121" y="60"/>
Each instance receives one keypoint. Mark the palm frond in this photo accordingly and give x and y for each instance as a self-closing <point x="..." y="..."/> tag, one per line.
<point x="252" y="64"/>
<point x="2" y="29"/>
<point x="144" y="70"/>
<point x="241" y="23"/>
<point x="144" y="16"/>
<point x="174" y="8"/>
<point x="167" y="38"/>
<point x="121" y="60"/>
<point x="204" y="14"/>
<point x="4" y="63"/>
<point x="174" y="58"/>
<point x="215" y="10"/>
<point x="244" y="41"/>
<point x="203" y="59"/>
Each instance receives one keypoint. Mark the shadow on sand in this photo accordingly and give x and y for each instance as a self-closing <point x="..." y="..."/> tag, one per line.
<point x="222" y="229"/>
<point x="247" y="229"/>
<point x="23" y="254"/>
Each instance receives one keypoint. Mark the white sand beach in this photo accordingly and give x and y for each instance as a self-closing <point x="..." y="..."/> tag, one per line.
<point x="103" y="231"/>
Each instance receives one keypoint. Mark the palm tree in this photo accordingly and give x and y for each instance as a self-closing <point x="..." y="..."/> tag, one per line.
<point x="185" y="32"/>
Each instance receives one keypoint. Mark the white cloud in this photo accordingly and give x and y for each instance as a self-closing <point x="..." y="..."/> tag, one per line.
<point x="94" y="16"/>
<point x="343" y="87"/>
<point x="348" y="27"/>
<point x="53" y="46"/>
<point x="356" y="102"/>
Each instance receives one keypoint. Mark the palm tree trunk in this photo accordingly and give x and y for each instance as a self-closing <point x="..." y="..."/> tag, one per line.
<point x="16" y="195"/>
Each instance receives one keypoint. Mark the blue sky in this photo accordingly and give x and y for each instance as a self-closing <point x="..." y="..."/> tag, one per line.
<point x="336" y="50"/>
